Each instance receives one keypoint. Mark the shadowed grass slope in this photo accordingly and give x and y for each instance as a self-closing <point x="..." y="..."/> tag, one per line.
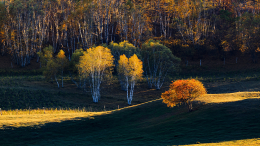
<point x="148" y="124"/>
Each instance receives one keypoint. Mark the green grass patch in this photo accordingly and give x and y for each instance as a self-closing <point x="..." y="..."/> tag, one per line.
<point x="15" y="98"/>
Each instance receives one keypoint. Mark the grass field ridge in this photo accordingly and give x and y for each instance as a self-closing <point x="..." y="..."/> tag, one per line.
<point x="151" y="123"/>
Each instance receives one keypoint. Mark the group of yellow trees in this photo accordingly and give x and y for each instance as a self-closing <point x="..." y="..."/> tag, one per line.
<point x="53" y="66"/>
<point x="96" y="63"/>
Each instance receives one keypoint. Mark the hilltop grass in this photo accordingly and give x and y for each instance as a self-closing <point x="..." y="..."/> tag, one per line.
<point x="22" y="120"/>
<point x="218" y="122"/>
<point x="244" y="142"/>
<point x="230" y="118"/>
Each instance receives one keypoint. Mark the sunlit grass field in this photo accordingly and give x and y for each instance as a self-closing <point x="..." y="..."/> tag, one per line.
<point x="244" y="142"/>
<point x="218" y="119"/>
<point x="228" y="115"/>
<point x="67" y="116"/>
<point x="40" y="117"/>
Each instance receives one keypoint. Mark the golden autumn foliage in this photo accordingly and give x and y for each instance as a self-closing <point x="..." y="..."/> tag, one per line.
<point x="129" y="71"/>
<point x="183" y="91"/>
<point x="96" y="59"/>
<point x="136" y="66"/>
<point x="123" y="65"/>
<point x="95" y="63"/>
<point x="62" y="60"/>
<point x="132" y="67"/>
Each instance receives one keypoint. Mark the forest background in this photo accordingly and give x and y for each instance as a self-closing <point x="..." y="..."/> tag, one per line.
<point x="192" y="29"/>
<point x="216" y="40"/>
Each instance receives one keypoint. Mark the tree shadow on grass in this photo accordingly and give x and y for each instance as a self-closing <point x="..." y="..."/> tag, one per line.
<point x="230" y="87"/>
<point x="148" y="124"/>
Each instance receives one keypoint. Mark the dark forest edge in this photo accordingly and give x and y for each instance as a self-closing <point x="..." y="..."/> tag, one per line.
<point x="191" y="29"/>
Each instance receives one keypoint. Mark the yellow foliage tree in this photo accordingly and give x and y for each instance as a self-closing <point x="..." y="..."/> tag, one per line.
<point x="123" y="48"/>
<point x="62" y="63"/>
<point x="95" y="63"/>
<point x="132" y="70"/>
<point x="183" y="91"/>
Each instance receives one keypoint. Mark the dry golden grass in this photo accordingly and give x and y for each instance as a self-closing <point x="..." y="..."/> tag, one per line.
<point x="244" y="142"/>
<point x="24" y="120"/>
<point x="21" y="118"/>
<point x="228" y="97"/>
<point x="14" y="118"/>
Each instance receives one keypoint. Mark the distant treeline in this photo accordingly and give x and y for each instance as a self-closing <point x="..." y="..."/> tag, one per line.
<point x="190" y="28"/>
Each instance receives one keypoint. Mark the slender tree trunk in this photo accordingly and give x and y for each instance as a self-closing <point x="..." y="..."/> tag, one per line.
<point x="57" y="82"/>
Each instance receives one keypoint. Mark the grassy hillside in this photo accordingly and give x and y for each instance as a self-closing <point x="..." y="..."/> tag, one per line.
<point x="149" y="124"/>
<point x="22" y="92"/>
<point x="231" y="117"/>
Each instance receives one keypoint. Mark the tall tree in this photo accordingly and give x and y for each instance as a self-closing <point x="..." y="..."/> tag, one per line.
<point x="128" y="50"/>
<point x="94" y="64"/>
<point x="131" y="69"/>
<point x="62" y="62"/>
<point x="158" y="61"/>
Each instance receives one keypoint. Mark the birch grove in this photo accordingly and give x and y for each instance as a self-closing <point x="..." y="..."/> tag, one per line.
<point x="26" y="27"/>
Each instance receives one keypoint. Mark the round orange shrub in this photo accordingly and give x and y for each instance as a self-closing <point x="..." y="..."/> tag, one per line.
<point x="183" y="91"/>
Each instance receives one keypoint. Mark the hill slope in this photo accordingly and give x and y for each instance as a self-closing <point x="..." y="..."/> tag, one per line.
<point x="149" y="124"/>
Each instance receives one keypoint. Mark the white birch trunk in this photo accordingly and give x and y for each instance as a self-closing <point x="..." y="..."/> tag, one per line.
<point x="57" y="82"/>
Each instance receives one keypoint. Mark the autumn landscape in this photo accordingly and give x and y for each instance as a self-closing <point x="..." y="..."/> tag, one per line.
<point x="129" y="72"/>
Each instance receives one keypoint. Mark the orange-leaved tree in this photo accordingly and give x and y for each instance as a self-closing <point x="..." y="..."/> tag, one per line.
<point x="131" y="70"/>
<point x="183" y="91"/>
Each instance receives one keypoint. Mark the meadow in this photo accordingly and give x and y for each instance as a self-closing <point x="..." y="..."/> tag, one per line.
<point x="150" y="123"/>
<point x="36" y="112"/>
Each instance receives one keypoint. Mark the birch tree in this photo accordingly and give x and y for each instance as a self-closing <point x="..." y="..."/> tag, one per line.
<point x="131" y="69"/>
<point x="94" y="64"/>
<point x="123" y="48"/>
<point x="158" y="61"/>
<point x="62" y="62"/>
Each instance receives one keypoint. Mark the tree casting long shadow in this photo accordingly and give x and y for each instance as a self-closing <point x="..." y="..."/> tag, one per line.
<point x="148" y="124"/>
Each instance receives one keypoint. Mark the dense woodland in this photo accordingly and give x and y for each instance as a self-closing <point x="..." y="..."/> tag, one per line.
<point x="190" y="28"/>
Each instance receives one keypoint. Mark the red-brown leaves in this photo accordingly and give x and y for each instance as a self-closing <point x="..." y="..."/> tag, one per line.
<point x="183" y="91"/>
